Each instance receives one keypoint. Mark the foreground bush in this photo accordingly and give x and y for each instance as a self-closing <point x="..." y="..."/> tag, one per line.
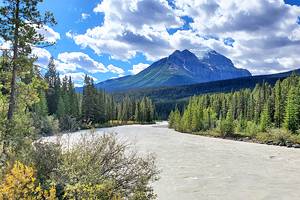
<point x="95" y="168"/>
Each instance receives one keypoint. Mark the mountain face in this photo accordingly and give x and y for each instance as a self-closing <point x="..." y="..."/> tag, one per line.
<point x="180" y="68"/>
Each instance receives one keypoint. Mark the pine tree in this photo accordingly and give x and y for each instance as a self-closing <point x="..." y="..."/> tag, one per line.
<point x="195" y="122"/>
<point x="88" y="100"/>
<point x="61" y="108"/>
<point x="53" y="91"/>
<point x="16" y="29"/>
<point x="265" y="119"/>
<point x="74" y="105"/>
<point x="279" y="113"/>
<point x="227" y="125"/>
<point x="137" y="113"/>
<point x="186" y="119"/>
<point x="41" y="107"/>
<point x="65" y="95"/>
<point x="291" y="111"/>
<point x="177" y="120"/>
<point x="171" y="119"/>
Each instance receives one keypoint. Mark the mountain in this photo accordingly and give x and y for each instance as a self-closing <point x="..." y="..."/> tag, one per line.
<point x="180" y="68"/>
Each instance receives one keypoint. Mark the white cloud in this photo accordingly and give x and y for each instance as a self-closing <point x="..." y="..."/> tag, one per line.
<point x="84" y="16"/>
<point x="65" y="67"/>
<point x="115" y="70"/>
<point x="77" y="78"/>
<point x="82" y="61"/>
<point x="43" y="57"/>
<point x="49" y="34"/>
<point x="69" y="34"/>
<point x="129" y="27"/>
<point x="138" y="68"/>
<point x="262" y="30"/>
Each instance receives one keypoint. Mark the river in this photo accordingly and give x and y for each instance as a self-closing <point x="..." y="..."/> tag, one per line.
<point x="195" y="167"/>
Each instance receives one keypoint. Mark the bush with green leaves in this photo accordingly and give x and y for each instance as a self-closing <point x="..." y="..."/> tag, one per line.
<point x="226" y="128"/>
<point x="68" y="123"/>
<point x="251" y="129"/>
<point x="96" y="166"/>
<point x="45" y="125"/>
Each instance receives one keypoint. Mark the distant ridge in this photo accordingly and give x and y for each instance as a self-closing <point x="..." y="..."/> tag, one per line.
<point x="172" y="94"/>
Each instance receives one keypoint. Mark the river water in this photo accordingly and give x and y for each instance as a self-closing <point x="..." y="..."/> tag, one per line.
<point x="195" y="167"/>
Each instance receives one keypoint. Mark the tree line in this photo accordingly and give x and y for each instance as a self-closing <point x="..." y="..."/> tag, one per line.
<point x="264" y="108"/>
<point x="92" y="107"/>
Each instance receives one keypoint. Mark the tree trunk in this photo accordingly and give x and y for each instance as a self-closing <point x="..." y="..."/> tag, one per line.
<point x="12" y="98"/>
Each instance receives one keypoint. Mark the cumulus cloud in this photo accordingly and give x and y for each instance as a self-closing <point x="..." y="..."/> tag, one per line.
<point x="77" y="78"/>
<point x="43" y="57"/>
<point x="115" y="70"/>
<point x="64" y="68"/>
<point x="138" y="68"/>
<point x="131" y="26"/>
<point x="82" y="61"/>
<point x="49" y="34"/>
<point x="262" y="30"/>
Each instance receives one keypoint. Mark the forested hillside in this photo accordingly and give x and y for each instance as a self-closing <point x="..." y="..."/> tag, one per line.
<point x="165" y="94"/>
<point x="166" y="98"/>
<point x="266" y="113"/>
<point x="91" y="109"/>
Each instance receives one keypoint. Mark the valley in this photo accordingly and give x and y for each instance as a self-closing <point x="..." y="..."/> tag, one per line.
<point x="149" y="99"/>
<point x="195" y="167"/>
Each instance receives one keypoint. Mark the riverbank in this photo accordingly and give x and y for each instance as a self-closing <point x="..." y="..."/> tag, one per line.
<point x="276" y="137"/>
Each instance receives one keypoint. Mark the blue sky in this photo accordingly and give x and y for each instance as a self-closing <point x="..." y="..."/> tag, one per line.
<point x="111" y="38"/>
<point x="68" y="15"/>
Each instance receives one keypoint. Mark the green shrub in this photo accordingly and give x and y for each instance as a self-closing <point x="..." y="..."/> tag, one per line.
<point x="280" y="135"/>
<point x="240" y="126"/>
<point x="99" y="167"/>
<point x="45" y="125"/>
<point x="263" y="137"/>
<point x="251" y="129"/>
<point x="68" y="123"/>
<point x="226" y="128"/>
<point x="46" y="157"/>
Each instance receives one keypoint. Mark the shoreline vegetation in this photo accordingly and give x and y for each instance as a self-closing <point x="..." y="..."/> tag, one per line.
<point x="114" y="123"/>
<point x="273" y="137"/>
<point x="268" y="115"/>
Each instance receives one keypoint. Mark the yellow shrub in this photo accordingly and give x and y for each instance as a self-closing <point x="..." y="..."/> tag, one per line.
<point x="20" y="183"/>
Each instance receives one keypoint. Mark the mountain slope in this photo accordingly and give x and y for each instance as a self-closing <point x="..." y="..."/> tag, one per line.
<point x="180" y="68"/>
<point x="171" y="94"/>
